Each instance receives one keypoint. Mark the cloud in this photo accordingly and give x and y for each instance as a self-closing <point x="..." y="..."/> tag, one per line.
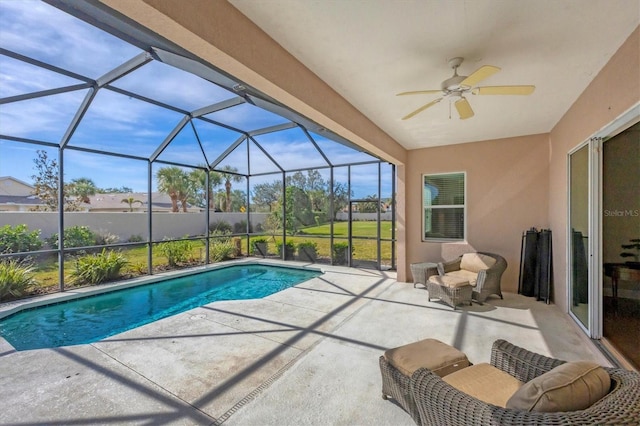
<point x="18" y="78"/>
<point x="57" y="38"/>
<point x="45" y="118"/>
<point x="172" y="86"/>
<point x="246" y="117"/>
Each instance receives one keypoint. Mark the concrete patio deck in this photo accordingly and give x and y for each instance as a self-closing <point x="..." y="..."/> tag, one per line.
<point x="306" y="355"/>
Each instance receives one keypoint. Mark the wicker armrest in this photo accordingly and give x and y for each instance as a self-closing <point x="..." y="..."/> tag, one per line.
<point x="522" y="364"/>
<point x="452" y="265"/>
<point x="438" y="403"/>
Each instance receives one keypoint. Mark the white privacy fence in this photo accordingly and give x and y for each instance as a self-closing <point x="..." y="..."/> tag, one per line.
<point x="125" y="225"/>
<point x="165" y="224"/>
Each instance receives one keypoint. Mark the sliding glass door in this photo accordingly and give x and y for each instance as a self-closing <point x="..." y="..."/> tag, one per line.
<point x="579" y="232"/>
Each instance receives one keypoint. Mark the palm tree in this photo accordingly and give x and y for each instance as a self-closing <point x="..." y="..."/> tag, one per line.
<point x="172" y="181"/>
<point x="228" y="173"/>
<point x="82" y="188"/>
<point x="199" y="178"/>
<point x="131" y="201"/>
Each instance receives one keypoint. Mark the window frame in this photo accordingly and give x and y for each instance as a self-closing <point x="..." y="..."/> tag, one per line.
<point x="424" y="208"/>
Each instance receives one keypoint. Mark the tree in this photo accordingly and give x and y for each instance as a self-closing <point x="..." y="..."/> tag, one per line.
<point x="314" y="185"/>
<point x="46" y="183"/>
<point x="131" y="201"/>
<point x="82" y="188"/>
<point x="199" y="182"/>
<point x="173" y="181"/>
<point x="371" y="206"/>
<point x="297" y="211"/>
<point x="229" y="174"/>
<point x="238" y="200"/>
<point x="267" y="194"/>
<point x="110" y="190"/>
<point x="340" y="198"/>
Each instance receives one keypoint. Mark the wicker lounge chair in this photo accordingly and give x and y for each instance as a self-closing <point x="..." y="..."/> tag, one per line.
<point x="438" y="403"/>
<point x="485" y="282"/>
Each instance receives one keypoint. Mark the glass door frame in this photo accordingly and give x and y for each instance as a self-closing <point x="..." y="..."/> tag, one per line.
<point x="594" y="262"/>
<point x="593" y="237"/>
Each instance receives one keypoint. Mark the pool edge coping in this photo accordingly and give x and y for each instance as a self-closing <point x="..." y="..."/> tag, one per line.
<point x="15" y="306"/>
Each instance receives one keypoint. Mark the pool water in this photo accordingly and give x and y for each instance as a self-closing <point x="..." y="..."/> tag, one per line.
<point x="94" y="318"/>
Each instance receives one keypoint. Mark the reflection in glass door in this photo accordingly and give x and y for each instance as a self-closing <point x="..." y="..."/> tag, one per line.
<point x="579" y="234"/>
<point x="621" y="243"/>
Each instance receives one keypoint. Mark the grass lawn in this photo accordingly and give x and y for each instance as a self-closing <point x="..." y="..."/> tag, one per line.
<point x="360" y="229"/>
<point x="46" y="270"/>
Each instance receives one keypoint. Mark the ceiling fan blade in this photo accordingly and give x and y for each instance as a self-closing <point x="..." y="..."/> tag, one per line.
<point x="504" y="90"/>
<point x="464" y="109"/>
<point x="422" y="108"/>
<point x="419" y="92"/>
<point x="480" y="74"/>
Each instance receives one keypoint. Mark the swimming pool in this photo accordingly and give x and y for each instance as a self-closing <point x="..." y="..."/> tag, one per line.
<point x="93" y="318"/>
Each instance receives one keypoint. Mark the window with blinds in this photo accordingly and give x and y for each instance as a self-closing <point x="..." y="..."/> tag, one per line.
<point x="443" y="201"/>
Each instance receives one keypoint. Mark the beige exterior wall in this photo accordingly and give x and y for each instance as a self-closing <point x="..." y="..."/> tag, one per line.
<point x="11" y="186"/>
<point x="507" y="186"/>
<point x="612" y="92"/>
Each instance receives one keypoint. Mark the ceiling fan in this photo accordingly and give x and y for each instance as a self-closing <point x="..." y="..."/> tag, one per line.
<point x="459" y="85"/>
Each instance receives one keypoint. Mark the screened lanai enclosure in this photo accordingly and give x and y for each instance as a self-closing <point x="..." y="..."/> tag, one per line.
<point x="122" y="155"/>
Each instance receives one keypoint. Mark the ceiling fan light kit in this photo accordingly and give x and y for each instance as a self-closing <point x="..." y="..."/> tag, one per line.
<point x="458" y="85"/>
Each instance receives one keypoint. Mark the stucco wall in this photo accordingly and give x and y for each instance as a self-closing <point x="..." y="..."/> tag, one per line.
<point x="612" y="92"/>
<point x="124" y="225"/>
<point x="507" y="187"/>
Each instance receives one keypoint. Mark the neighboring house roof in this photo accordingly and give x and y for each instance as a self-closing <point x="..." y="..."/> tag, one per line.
<point x="16" y="195"/>
<point x="20" y="199"/>
<point x="19" y="203"/>
<point x="113" y="202"/>
<point x="12" y="186"/>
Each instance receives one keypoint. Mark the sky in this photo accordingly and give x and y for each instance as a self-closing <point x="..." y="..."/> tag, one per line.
<point x="122" y="124"/>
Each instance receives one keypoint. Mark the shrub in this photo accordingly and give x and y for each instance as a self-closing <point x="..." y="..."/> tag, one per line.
<point x="15" y="278"/>
<point x="104" y="238"/>
<point x="290" y="248"/>
<point x="221" y="227"/>
<point x="99" y="267"/>
<point x="74" y="236"/>
<point x="339" y="253"/>
<point x="259" y="242"/>
<point x="241" y="227"/>
<point x="19" y="239"/>
<point x="220" y="235"/>
<point x="308" y="251"/>
<point x="135" y="239"/>
<point x="221" y="250"/>
<point x="138" y="268"/>
<point x="308" y="244"/>
<point x="176" y="251"/>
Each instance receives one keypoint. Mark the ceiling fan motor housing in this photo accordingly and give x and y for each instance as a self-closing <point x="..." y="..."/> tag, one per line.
<point x="453" y="84"/>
